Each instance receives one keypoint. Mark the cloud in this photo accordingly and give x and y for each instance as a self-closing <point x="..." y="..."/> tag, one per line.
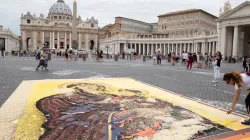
<point x="106" y="10"/>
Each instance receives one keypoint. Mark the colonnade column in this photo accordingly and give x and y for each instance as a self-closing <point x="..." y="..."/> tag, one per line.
<point x="236" y="41"/>
<point x="58" y="40"/>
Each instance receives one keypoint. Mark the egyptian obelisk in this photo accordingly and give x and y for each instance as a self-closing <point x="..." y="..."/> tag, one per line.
<point x="74" y="29"/>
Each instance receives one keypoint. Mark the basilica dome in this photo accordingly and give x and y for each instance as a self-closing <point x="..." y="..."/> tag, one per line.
<point x="60" y="8"/>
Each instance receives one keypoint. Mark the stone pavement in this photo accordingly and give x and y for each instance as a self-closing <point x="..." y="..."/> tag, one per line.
<point x="195" y="84"/>
<point x="107" y="108"/>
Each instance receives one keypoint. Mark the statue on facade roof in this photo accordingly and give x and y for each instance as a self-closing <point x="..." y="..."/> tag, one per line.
<point x="227" y="6"/>
<point x="221" y="11"/>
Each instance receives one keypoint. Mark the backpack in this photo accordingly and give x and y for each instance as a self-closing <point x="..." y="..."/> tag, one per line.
<point x="158" y="55"/>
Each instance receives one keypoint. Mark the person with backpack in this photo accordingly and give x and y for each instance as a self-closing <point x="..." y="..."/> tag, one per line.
<point x="42" y="60"/>
<point x="239" y="81"/>
<point x="190" y="61"/>
<point x="158" y="58"/>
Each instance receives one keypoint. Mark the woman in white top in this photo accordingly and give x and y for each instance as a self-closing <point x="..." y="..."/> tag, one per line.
<point x="239" y="80"/>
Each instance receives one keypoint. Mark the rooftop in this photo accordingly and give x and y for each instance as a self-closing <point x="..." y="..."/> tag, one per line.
<point x="186" y="11"/>
<point x="134" y="20"/>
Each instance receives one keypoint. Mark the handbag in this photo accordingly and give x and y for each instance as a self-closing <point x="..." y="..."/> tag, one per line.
<point x="215" y="62"/>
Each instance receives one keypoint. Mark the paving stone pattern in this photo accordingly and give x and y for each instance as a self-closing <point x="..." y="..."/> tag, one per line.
<point x="194" y="83"/>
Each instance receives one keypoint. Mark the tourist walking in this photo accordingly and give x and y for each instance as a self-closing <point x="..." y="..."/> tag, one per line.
<point x="154" y="58"/>
<point x="76" y="54"/>
<point x="206" y="60"/>
<point x="199" y="60"/>
<point x="190" y="61"/>
<point x="173" y="59"/>
<point x="239" y="81"/>
<point x="42" y="60"/>
<point x="217" y="64"/>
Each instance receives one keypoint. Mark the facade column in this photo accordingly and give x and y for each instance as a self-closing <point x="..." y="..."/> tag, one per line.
<point x="139" y="53"/>
<point x="24" y="37"/>
<point x="203" y="48"/>
<point x="164" y="49"/>
<point x="143" y="49"/>
<point x="65" y="40"/>
<point x="211" y="48"/>
<point x="50" y="40"/>
<point x="176" y="48"/>
<point x="80" y="41"/>
<point x="180" y="52"/>
<point x="43" y="38"/>
<point x="152" y="50"/>
<point x="34" y="41"/>
<point x="58" y="40"/>
<point x="53" y="40"/>
<point x="215" y="47"/>
<point x="161" y="48"/>
<point x="236" y="41"/>
<point x="70" y="40"/>
<point x="196" y="48"/>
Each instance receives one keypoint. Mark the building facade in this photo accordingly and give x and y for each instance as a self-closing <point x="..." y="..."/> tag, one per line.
<point x="189" y="30"/>
<point x="8" y="41"/>
<point x="234" y="31"/>
<point x="187" y="23"/>
<point x="55" y="30"/>
<point x="124" y="25"/>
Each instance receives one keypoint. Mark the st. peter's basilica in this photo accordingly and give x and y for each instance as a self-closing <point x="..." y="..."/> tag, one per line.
<point x="56" y="30"/>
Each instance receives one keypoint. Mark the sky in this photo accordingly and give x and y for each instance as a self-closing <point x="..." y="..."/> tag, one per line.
<point x="106" y="10"/>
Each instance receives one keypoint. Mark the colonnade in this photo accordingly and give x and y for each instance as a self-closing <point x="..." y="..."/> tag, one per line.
<point x="166" y="48"/>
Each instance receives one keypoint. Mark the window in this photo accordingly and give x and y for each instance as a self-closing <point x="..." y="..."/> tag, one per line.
<point x="60" y="17"/>
<point x="55" y="23"/>
<point x="55" y="17"/>
<point x="28" y="21"/>
<point x="92" y="25"/>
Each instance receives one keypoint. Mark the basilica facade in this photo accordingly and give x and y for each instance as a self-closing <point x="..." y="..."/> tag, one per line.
<point x="55" y="30"/>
